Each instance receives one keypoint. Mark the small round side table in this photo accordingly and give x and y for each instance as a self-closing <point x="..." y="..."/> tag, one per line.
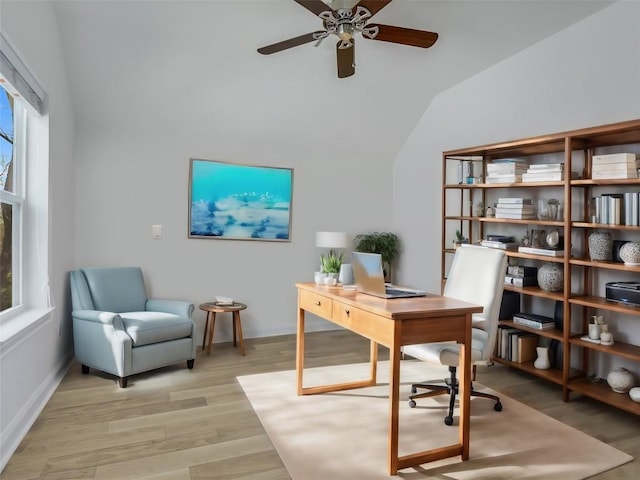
<point x="212" y="308"/>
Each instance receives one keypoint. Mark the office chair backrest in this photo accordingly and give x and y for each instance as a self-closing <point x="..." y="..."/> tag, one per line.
<point x="477" y="276"/>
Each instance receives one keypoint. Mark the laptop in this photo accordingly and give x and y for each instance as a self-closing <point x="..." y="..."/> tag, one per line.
<point x="369" y="278"/>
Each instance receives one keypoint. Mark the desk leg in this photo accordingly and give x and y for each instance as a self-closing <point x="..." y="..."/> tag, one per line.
<point x="465" y="390"/>
<point x="373" y="360"/>
<point x="394" y="406"/>
<point x="300" y="349"/>
<point x="211" y="316"/>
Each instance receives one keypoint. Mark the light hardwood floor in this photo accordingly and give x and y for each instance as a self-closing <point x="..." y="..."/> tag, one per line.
<point x="197" y="424"/>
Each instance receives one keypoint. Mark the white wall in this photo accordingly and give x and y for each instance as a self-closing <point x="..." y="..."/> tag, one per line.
<point x="586" y="75"/>
<point x="128" y="180"/>
<point x="33" y="363"/>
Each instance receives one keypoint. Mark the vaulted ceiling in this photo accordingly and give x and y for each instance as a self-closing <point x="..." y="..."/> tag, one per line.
<point x="129" y="60"/>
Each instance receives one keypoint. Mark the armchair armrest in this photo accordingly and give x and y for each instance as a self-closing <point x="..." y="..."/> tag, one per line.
<point x="177" y="307"/>
<point x="96" y="316"/>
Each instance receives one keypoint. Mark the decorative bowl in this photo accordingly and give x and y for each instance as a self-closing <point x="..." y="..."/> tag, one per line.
<point x="634" y="393"/>
<point x="630" y="253"/>
<point x="620" y="380"/>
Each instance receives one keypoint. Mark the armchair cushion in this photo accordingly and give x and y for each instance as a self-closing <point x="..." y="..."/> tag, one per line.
<point x="117" y="290"/>
<point x="145" y="328"/>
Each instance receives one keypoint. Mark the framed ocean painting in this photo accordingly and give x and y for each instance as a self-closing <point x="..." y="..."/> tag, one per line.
<point x="239" y="202"/>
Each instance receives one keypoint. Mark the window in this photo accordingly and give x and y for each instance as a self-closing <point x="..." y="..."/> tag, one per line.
<point x="11" y="198"/>
<point x="24" y="172"/>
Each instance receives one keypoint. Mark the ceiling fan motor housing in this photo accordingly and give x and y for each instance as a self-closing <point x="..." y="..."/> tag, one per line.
<point x="344" y="24"/>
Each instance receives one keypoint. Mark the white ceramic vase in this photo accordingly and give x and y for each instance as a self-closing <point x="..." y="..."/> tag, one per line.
<point x="620" y="380"/>
<point x="542" y="362"/>
<point x="600" y="246"/>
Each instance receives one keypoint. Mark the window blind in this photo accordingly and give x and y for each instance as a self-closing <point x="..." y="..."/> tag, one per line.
<point x="19" y="77"/>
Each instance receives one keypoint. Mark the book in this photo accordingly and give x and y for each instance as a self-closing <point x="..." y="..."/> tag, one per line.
<point x="533" y="320"/>
<point x="614" y="167"/>
<point x="527" y="344"/>
<point x="500" y="238"/>
<point x="515" y="200"/>
<point x="611" y="174"/>
<point x="506" y="168"/>
<point x="516" y="215"/>
<point x="504" y="340"/>
<point x="521" y="281"/>
<point x="510" y="207"/>
<point x="613" y="158"/>
<point x="546" y="167"/>
<point x="541" y="251"/>
<point x="508" y="178"/>
<point x="543" y="177"/>
<point x="522" y="271"/>
<point x="515" y="209"/>
<point x="499" y="245"/>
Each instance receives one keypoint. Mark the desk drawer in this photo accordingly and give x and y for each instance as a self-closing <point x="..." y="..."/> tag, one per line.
<point x="316" y="304"/>
<point x="369" y="325"/>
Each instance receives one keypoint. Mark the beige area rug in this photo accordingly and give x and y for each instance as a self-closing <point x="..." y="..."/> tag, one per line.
<point x="343" y="435"/>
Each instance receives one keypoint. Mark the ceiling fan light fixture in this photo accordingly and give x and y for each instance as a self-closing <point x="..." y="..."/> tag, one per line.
<point x="345" y="31"/>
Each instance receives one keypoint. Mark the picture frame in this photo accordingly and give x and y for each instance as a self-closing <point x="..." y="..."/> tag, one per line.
<point x="231" y="201"/>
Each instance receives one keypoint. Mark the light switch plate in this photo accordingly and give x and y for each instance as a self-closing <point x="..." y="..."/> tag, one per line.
<point x="156" y="232"/>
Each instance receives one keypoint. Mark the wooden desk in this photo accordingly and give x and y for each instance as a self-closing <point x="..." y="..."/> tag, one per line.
<point x="393" y="323"/>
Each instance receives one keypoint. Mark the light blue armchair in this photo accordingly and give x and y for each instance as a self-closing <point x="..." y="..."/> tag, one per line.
<point x="118" y="330"/>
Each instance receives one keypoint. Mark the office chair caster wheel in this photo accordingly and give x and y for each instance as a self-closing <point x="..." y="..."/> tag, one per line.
<point x="448" y="420"/>
<point x="412" y="403"/>
<point x="497" y="407"/>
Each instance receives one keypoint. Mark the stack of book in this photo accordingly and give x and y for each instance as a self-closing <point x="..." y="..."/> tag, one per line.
<point x="521" y="276"/>
<point x="515" y="208"/>
<point x="615" y="165"/>
<point x="506" y="171"/>
<point x="532" y="320"/>
<point x="549" y="252"/>
<point x="502" y="242"/>
<point x="516" y="345"/>
<point x="544" y="172"/>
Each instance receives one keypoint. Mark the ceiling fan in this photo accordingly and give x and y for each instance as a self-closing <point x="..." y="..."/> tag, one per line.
<point x="344" y="23"/>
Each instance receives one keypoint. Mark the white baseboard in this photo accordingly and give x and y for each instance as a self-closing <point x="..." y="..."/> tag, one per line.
<point x="19" y="426"/>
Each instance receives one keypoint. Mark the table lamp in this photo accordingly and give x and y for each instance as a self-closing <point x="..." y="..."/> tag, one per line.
<point x="332" y="241"/>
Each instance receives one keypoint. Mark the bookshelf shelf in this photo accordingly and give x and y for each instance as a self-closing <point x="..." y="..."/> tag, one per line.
<point x="583" y="286"/>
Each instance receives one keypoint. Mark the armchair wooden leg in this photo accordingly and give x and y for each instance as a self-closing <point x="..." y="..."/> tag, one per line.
<point x="122" y="381"/>
<point x="85" y="369"/>
<point x="190" y="363"/>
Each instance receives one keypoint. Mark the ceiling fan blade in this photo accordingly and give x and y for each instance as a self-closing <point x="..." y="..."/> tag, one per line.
<point x="314" y="6"/>
<point x="346" y="59"/>
<point x="292" y="42"/>
<point x="374" y="6"/>
<point x="405" y="36"/>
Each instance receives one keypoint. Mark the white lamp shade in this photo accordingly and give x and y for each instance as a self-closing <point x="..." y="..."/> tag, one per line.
<point x="332" y="240"/>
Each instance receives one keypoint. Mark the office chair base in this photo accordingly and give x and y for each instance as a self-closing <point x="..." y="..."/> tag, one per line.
<point x="451" y="389"/>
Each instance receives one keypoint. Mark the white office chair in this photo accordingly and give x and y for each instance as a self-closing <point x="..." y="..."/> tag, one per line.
<point x="476" y="276"/>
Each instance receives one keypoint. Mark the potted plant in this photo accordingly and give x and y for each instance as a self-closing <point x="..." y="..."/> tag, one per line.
<point x="331" y="262"/>
<point x="460" y="239"/>
<point x="385" y="243"/>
